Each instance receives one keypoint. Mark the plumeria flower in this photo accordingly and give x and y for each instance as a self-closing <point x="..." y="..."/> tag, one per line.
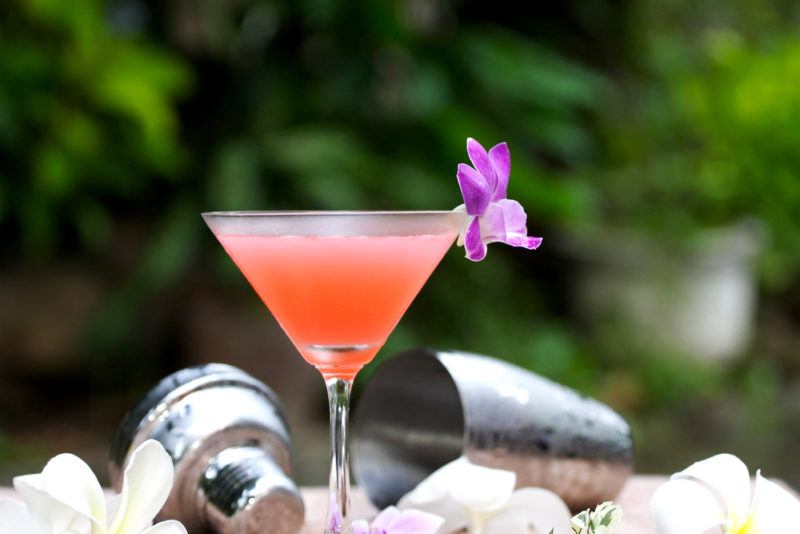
<point x="393" y="521"/>
<point x="484" y="501"/>
<point x="66" y="498"/>
<point x="716" y="496"/>
<point x="491" y="216"/>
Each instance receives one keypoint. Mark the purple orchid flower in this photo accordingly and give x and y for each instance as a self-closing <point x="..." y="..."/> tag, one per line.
<point x="393" y="521"/>
<point x="492" y="216"/>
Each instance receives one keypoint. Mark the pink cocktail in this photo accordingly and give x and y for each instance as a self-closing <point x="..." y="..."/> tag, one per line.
<point x="338" y="283"/>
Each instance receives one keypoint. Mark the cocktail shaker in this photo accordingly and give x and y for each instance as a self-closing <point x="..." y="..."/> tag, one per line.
<point x="424" y="408"/>
<point x="230" y="444"/>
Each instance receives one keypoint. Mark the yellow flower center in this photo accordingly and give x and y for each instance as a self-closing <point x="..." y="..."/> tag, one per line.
<point x="747" y="527"/>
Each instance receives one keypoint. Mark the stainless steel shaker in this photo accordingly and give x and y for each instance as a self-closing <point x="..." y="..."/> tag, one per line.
<point x="231" y="448"/>
<point x="423" y="408"/>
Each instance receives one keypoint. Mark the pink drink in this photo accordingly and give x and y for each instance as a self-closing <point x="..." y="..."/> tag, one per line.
<point x="337" y="297"/>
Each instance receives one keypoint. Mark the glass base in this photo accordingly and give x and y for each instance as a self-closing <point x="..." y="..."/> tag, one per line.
<point x="340" y="361"/>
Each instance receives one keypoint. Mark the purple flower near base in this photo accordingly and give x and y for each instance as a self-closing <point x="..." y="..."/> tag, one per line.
<point x="393" y="521"/>
<point x="491" y="216"/>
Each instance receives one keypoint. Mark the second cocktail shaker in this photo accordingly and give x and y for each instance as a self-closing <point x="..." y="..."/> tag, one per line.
<point x="424" y="408"/>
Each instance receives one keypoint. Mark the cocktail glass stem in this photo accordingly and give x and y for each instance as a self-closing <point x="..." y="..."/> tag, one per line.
<point x="339" y="501"/>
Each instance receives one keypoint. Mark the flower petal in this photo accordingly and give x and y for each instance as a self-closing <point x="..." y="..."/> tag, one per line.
<point x="514" y="216"/>
<point x="532" y="507"/>
<point x="360" y="526"/>
<point x="166" y="527"/>
<point x="14" y="518"/>
<point x="433" y="495"/>
<point x="69" y="480"/>
<point x="480" y="160"/>
<point x="474" y="189"/>
<point x="500" y="158"/>
<point x="473" y="243"/>
<point x="453" y="515"/>
<point x="493" y="224"/>
<point x="145" y="487"/>
<point x="727" y="476"/>
<point x="774" y="509"/>
<point x="49" y="514"/>
<point x="467" y="221"/>
<point x="486" y="490"/>
<point x="415" y="522"/>
<point x="385" y="518"/>
<point x="505" y="221"/>
<point x="683" y="506"/>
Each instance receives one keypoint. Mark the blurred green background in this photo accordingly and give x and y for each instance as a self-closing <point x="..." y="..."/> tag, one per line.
<point x="655" y="145"/>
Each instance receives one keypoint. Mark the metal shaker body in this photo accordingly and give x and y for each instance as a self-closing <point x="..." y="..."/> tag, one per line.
<point x="424" y="408"/>
<point x="230" y="445"/>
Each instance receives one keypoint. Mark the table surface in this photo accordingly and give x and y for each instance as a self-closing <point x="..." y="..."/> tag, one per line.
<point x="634" y="499"/>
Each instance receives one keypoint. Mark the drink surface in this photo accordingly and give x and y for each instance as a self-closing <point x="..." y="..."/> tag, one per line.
<point x="337" y="297"/>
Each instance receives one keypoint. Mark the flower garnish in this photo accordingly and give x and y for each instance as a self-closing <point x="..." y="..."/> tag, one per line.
<point x="484" y="501"/>
<point x="717" y="494"/>
<point x="491" y="215"/>
<point x="393" y="521"/>
<point x="603" y="520"/>
<point x="66" y="498"/>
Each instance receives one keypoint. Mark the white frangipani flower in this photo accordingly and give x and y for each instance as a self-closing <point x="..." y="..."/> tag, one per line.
<point x="716" y="496"/>
<point x="66" y="498"/>
<point x="484" y="500"/>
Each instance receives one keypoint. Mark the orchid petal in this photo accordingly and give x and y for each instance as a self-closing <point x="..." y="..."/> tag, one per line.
<point x="516" y="229"/>
<point x="505" y="221"/>
<point x="385" y="518"/>
<point x="146" y="485"/>
<point x="773" y="510"/>
<point x="514" y="216"/>
<point x="69" y="480"/>
<point x="728" y="477"/>
<point x="415" y="522"/>
<point x="14" y="518"/>
<point x="523" y="241"/>
<point x="467" y="221"/>
<point x="360" y="526"/>
<point x="453" y="515"/>
<point x="166" y="527"/>
<point x="50" y="515"/>
<point x="683" y="506"/>
<point x="500" y="158"/>
<point x="474" y="189"/>
<point x="480" y="160"/>
<point x="532" y="507"/>
<point x="473" y="243"/>
<point x="493" y="224"/>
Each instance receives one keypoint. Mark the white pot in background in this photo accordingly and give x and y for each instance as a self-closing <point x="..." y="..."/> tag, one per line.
<point x="696" y="297"/>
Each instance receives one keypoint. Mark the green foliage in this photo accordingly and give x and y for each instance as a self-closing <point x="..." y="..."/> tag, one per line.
<point x="710" y="136"/>
<point x="87" y="120"/>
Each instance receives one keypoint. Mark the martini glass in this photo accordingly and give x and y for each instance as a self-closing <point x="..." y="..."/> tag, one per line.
<point x="337" y="282"/>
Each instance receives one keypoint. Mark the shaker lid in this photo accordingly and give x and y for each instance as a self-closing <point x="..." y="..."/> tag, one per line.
<point x="169" y="391"/>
